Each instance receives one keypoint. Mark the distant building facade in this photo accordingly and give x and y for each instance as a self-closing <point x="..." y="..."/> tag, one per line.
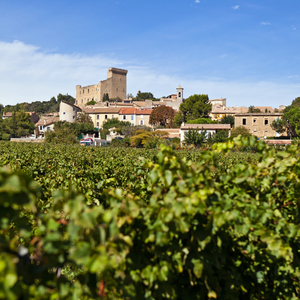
<point x="68" y="111"/>
<point x="259" y="124"/>
<point x="114" y="86"/>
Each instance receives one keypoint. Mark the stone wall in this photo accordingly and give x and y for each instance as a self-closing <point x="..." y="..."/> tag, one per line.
<point x="115" y="86"/>
<point x="259" y="124"/>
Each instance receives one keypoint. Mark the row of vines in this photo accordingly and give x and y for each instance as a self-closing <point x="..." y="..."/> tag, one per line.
<point x="90" y="223"/>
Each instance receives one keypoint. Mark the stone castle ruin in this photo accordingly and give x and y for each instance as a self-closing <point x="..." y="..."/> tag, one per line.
<point x="114" y="86"/>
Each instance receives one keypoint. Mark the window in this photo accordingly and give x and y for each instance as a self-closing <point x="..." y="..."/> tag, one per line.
<point x="88" y="90"/>
<point x="41" y="127"/>
<point x="73" y="109"/>
<point x="244" y="121"/>
<point x="97" y="117"/>
<point x="81" y="100"/>
<point x="141" y="122"/>
<point x="179" y="94"/>
<point x="73" y="117"/>
<point x="48" y="128"/>
<point x="105" y="117"/>
<point x="120" y="79"/>
<point x="124" y="117"/>
<point x="98" y="124"/>
<point x="255" y="121"/>
<point x="64" y="113"/>
<point x="266" y="121"/>
<point x="83" y="92"/>
<point x="117" y="89"/>
<point x="131" y="117"/>
<point x="113" y="116"/>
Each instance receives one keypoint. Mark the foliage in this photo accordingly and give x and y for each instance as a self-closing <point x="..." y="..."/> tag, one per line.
<point x="178" y="119"/>
<point x="141" y="137"/>
<point x="125" y="142"/>
<point x="41" y="107"/>
<point x="202" y="121"/>
<point x="227" y="119"/>
<point x="195" y="136"/>
<point x="63" y="133"/>
<point x="92" y="102"/>
<point x="289" y="122"/>
<point x="252" y="109"/>
<point x="162" y="115"/>
<point x="111" y="123"/>
<point x="175" y="230"/>
<point x="219" y="137"/>
<point x="18" y="125"/>
<point x="240" y="130"/>
<point x="105" y="97"/>
<point x="194" y="107"/>
<point x="84" y="118"/>
<point x="144" y="96"/>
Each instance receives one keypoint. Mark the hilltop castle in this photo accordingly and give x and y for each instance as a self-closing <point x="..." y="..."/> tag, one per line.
<point x="114" y="86"/>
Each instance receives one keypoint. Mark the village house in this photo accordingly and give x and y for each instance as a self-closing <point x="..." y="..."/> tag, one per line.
<point x="45" y="125"/>
<point x="259" y="124"/>
<point x="135" y="116"/>
<point x="68" y="111"/>
<point x="101" y="114"/>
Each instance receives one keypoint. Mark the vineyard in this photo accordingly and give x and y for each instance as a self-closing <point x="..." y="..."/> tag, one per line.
<point x="123" y="223"/>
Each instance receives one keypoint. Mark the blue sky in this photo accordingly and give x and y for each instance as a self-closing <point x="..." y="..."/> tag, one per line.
<point x="246" y="51"/>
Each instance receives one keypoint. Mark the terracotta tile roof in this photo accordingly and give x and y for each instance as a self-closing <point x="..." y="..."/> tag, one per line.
<point x="47" y="121"/>
<point x="262" y="114"/>
<point x="144" y="111"/>
<point x="205" y="126"/>
<point x="127" y="111"/>
<point x="8" y="114"/>
<point x="101" y="110"/>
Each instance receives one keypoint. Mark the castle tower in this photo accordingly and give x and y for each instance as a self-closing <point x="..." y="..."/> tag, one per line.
<point x="179" y="94"/>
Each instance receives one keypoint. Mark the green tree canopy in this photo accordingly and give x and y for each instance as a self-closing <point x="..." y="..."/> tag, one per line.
<point x="202" y="121"/>
<point x="240" y="130"/>
<point x="290" y="122"/>
<point x="227" y="119"/>
<point x="252" y="109"/>
<point x="196" y="106"/>
<point x="19" y="124"/>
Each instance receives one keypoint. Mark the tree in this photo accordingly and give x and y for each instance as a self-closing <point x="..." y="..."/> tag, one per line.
<point x="252" y="109"/>
<point x="19" y="124"/>
<point x="67" y="98"/>
<point x="196" y="106"/>
<point x="289" y="122"/>
<point x="62" y="134"/>
<point x="193" y="136"/>
<point x="141" y="137"/>
<point x="202" y="121"/>
<point x="92" y="102"/>
<point x="84" y="118"/>
<point x="144" y="96"/>
<point x="105" y="97"/>
<point x="227" y="119"/>
<point x="115" y="123"/>
<point x="240" y="130"/>
<point x="162" y="115"/>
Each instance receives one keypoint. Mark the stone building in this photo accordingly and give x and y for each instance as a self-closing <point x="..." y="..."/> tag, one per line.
<point x="259" y="124"/>
<point x="114" y="86"/>
<point x="68" y="111"/>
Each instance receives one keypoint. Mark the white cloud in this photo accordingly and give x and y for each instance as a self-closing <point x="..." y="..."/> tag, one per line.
<point x="223" y="55"/>
<point x="27" y="73"/>
<point x="294" y="27"/>
<point x="265" y="23"/>
<point x="235" y="7"/>
<point x="197" y="1"/>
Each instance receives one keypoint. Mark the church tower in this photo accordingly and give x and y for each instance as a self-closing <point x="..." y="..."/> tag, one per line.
<point x="180" y="94"/>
